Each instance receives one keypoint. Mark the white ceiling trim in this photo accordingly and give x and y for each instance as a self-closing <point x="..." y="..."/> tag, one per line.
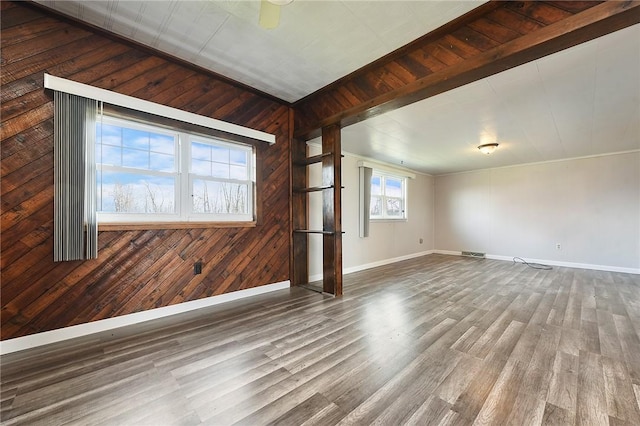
<point x="537" y="163"/>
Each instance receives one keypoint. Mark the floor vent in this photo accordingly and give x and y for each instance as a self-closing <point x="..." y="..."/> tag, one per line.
<point x="473" y="254"/>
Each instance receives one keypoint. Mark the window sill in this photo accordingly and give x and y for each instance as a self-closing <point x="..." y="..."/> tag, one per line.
<point x="388" y="220"/>
<point x="171" y="225"/>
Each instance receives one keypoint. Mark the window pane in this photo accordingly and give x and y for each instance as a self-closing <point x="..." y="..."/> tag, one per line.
<point x="220" y="197"/>
<point x="108" y="143"/>
<point x="109" y="155"/>
<point x="375" y="207"/>
<point x="216" y="159"/>
<point x="132" y="138"/>
<point x="135" y="158"/>
<point x="200" y="151"/>
<point x="393" y="187"/>
<point x="220" y="154"/>
<point x="394" y="207"/>
<point x="376" y="186"/>
<point x="135" y="193"/>
<point x="162" y="144"/>
<point x="108" y="134"/>
<point x="200" y="167"/>
<point x="388" y="197"/>
<point x="161" y="162"/>
<point x="238" y="172"/>
<point x="220" y="170"/>
<point x="139" y="149"/>
<point x="238" y="157"/>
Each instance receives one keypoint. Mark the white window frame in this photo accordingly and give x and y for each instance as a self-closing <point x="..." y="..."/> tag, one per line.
<point x="383" y="175"/>
<point x="250" y="181"/>
<point x="183" y="178"/>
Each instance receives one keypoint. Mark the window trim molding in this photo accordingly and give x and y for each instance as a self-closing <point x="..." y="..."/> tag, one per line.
<point x="118" y="99"/>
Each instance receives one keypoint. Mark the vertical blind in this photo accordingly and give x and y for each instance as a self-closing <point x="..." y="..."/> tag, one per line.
<point x="75" y="226"/>
<point x="365" y="200"/>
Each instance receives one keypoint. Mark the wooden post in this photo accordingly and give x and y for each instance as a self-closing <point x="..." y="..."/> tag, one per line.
<point x="299" y="214"/>
<point x="332" y="210"/>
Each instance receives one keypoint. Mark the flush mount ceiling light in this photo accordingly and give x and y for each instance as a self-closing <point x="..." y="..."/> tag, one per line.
<point x="488" y="148"/>
<point x="270" y="13"/>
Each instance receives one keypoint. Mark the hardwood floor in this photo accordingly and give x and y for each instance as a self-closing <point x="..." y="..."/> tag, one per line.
<point x="433" y="340"/>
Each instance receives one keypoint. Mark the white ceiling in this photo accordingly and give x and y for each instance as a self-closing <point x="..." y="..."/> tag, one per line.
<point x="579" y="102"/>
<point x="316" y="43"/>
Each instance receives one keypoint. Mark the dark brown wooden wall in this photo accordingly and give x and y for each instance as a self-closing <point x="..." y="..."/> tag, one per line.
<point x="135" y="270"/>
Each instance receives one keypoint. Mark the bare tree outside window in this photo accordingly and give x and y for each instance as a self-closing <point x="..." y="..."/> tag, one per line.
<point x="122" y="197"/>
<point x="220" y="197"/>
<point x="156" y="201"/>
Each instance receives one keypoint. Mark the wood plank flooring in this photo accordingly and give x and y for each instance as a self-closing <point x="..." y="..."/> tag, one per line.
<point x="434" y="340"/>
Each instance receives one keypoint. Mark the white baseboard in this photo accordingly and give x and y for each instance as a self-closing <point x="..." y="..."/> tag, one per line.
<point x="554" y="263"/>
<point x="317" y="277"/>
<point x="81" y="330"/>
<point x="54" y="336"/>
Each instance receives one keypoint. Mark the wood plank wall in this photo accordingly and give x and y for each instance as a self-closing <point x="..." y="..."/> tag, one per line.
<point x="135" y="270"/>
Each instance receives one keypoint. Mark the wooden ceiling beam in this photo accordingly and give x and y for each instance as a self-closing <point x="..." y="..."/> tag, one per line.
<point x="491" y="39"/>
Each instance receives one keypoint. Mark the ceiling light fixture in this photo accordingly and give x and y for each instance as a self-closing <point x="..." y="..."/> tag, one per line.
<point x="270" y="13"/>
<point x="488" y="148"/>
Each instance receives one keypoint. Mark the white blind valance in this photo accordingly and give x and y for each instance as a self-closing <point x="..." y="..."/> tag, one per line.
<point x="389" y="169"/>
<point x="118" y="99"/>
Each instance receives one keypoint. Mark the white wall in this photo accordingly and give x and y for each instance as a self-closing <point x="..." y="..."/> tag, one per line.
<point x="388" y="241"/>
<point x="590" y="206"/>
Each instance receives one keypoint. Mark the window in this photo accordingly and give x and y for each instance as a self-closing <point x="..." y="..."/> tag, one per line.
<point x="149" y="173"/>
<point x="388" y="196"/>
<point x="220" y="183"/>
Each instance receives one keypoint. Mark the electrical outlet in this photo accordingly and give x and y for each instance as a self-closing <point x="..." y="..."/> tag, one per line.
<point x="197" y="268"/>
<point x="558" y="246"/>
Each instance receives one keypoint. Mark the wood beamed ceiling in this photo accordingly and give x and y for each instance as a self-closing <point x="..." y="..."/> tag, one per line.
<point x="492" y="38"/>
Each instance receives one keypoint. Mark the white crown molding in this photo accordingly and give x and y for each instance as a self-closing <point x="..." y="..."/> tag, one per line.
<point x="537" y="163"/>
